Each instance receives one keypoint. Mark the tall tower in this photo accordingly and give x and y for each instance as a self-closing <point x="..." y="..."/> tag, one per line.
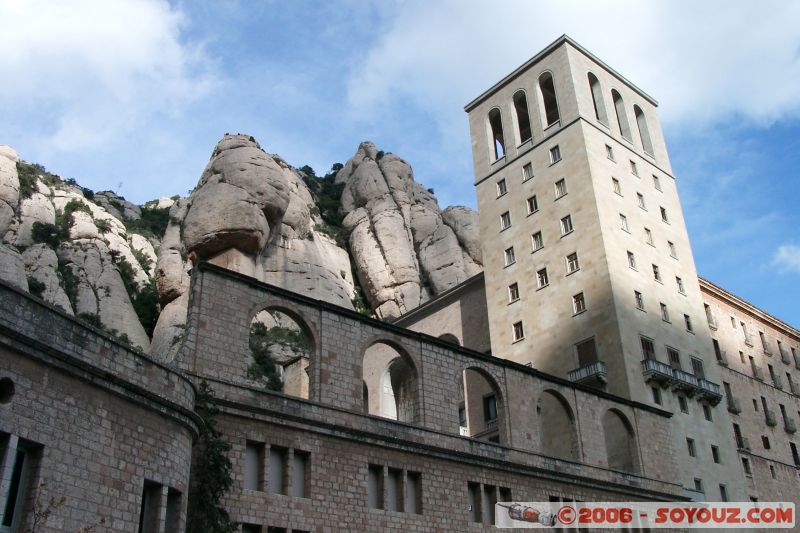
<point x="588" y="267"/>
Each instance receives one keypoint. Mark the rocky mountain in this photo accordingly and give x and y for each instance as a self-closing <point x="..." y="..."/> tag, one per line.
<point x="365" y="236"/>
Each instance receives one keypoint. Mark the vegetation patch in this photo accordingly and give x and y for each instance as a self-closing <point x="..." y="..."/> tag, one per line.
<point x="144" y="299"/>
<point x="54" y="234"/>
<point x="263" y="368"/>
<point x="153" y="223"/>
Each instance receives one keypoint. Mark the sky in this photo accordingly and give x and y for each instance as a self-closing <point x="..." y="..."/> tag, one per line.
<point x="132" y="96"/>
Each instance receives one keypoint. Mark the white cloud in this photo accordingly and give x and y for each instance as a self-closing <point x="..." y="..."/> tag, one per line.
<point x="90" y="71"/>
<point x="787" y="258"/>
<point x="706" y="61"/>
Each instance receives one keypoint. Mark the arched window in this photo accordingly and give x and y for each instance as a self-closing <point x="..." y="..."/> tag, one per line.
<point x="280" y="347"/>
<point x="557" y="432"/>
<point x="390" y="383"/>
<point x="523" y="118"/>
<point x="597" y="99"/>
<point x="483" y="409"/>
<point x="496" y="127"/>
<point x="547" y="89"/>
<point x="622" y="117"/>
<point x="620" y="442"/>
<point x="644" y="133"/>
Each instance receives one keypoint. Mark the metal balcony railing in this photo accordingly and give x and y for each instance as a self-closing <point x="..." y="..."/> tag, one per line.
<point x="654" y="370"/>
<point x="769" y="417"/>
<point x="789" y="425"/>
<point x="597" y="371"/>
<point x="734" y="406"/>
<point x="710" y="391"/>
<point x="685" y="381"/>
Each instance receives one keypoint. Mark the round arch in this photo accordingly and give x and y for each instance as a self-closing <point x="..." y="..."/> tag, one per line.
<point x="620" y="441"/>
<point x="390" y="381"/>
<point x="558" y="434"/>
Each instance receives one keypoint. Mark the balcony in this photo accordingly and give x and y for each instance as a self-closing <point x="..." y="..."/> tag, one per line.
<point x="742" y="443"/>
<point x="657" y="371"/>
<point x="789" y="425"/>
<point x="734" y="406"/>
<point x="685" y="381"/>
<point x="722" y="357"/>
<point x="776" y="380"/>
<point x="769" y="417"/>
<point x="709" y="391"/>
<point x="596" y="372"/>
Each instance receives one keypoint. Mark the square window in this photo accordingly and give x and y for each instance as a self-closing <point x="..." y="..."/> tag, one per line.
<point x="656" y="182"/>
<point x="631" y="260"/>
<point x="609" y="152"/>
<point x="561" y="188"/>
<point x="623" y="222"/>
<point x="656" y="273"/>
<point x="537" y="241"/>
<point x="684" y="405"/>
<point x="640" y="200"/>
<point x="679" y="283"/>
<point x="532" y="204"/>
<point x="541" y="278"/>
<point x="513" y="292"/>
<point x="656" y="395"/>
<point x="527" y="171"/>
<point x="673" y="252"/>
<point x="664" y="216"/>
<point x="690" y="447"/>
<point x="572" y="263"/>
<point x="688" y="320"/>
<point x="505" y="220"/>
<point x="664" y="312"/>
<point x="566" y="225"/>
<point x="648" y="236"/>
<point x="502" y="188"/>
<point x="517" y="331"/>
<point x="639" y="299"/>
<point x="634" y="168"/>
<point x="555" y="154"/>
<point x="617" y="187"/>
<point x="509" y="256"/>
<point x="578" y="303"/>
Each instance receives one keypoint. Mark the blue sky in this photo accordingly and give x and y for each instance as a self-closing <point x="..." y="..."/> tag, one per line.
<point x="132" y="95"/>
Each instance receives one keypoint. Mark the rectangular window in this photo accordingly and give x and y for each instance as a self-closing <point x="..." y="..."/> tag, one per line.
<point x="541" y="278"/>
<point x="640" y="200"/>
<point x="505" y="220"/>
<point x="617" y="187"/>
<point x="723" y="493"/>
<point x="664" y="216"/>
<point x="697" y="368"/>
<point x="765" y="442"/>
<point x="639" y="300"/>
<point x="672" y="250"/>
<point x="648" y="236"/>
<point x="623" y="222"/>
<point x="634" y="168"/>
<point x="587" y="352"/>
<point x="254" y="466"/>
<point x="527" y="171"/>
<point x="474" y="492"/>
<point x="690" y="447"/>
<point x="300" y="466"/>
<point x="375" y="486"/>
<point x="246" y="528"/>
<point x="609" y="152"/>
<point x="656" y="395"/>
<point x="698" y="484"/>
<point x="566" y="225"/>
<point x="509" y="256"/>
<point x="674" y="357"/>
<point x="555" y="154"/>
<point x="173" y="515"/>
<point x="532" y="204"/>
<point x="715" y="454"/>
<point x="656" y="182"/>
<point x="746" y="466"/>
<point x="578" y="303"/>
<point x="394" y="490"/>
<point x="688" y="321"/>
<point x="679" y="283"/>
<point x="561" y="188"/>
<point x="537" y="241"/>
<point x="489" y="408"/>
<point x="631" y="260"/>
<point x="513" y="292"/>
<point x="648" y="348"/>
<point x="707" y="412"/>
<point x="572" y="263"/>
<point x="149" y="511"/>
<point x="683" y="404"/>
<point x="517" y="331"/>
<point x="664" y="312"/>
<point x="413" y="499"/>
<point x="656" y="273"/>
<point x="502" y="188"/>
<point x="764" y="343"/>
<point x="277" y="470"/>
<point x="18" y="485"/>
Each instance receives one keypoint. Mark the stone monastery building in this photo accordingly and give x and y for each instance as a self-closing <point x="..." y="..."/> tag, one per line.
<point x="589" y="362"/>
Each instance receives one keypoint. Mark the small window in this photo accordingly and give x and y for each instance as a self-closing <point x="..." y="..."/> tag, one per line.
<point x="277" y="470"/>
<point x="631" y="260"/>
<point x="656" y="182"/>
<point x="555" y="154"/>
<point x="707" y="412"/>
<point x="537" y="241"/>
<point x="566" y="225"/>
<point x="698" y="485"/>
<point x="623" y="222"/>
<point x="746" y="466"/>
<point x="648" y="236"/>
<point x="640" y="200"/>
<point x="532" y="204"/>
<point x="254" y="466"/>
<point x="578" y="303"/>
<point x="490" y="403"/>
<point x="673" y="252"/>
<point x="634" y="168"/>
<point x="527" y="171"/>
<point x="664" y="216"/>
<point x="509" y="256"/>
<point x="572" y="263"/>
<point x="617" y="187"/>
<point x="375" y="486"/>
<point x="679" y="283"/>
<point x="502" y="188"/>
<point x="648" y="348"/>
<point x="715" y="454"/>
<point x="690" y="447"/>
<point x="664" y="312"/>
<point x="772" y="471"/>
<point x="541" y="278"/>
<point x="723" y="493"/>
<point x="561" y="188"/>
<point x="684" y="405"/>
<point x="765" y="442"/>
<point x="413" y="498"/>
<point x="656" y="273"/>
<point x="587" y="352"/>
<point x="517" y="331"/>
<point x="639" y="299"/>
<point x="656" y="395"/>
<point x="505" y="220"/>
<point x="300" y="465"/>
<point x="609" y="152"/>
<point x="513" y="292"/>
<point x="688" y="321"/>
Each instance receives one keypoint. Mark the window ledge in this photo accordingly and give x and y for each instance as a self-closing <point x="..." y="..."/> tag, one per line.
<point x="518" y="340"/>
<point x="619" y="194"/>
<point x="582" y="311"/>
<point x="570" y="232"/>
<point x="556" y="124"/>
<point x="641" y="309"/>
<point x="557" y="198"/>
<point x="542" y="287"/>
<point x="527" y="141"/>
<point x="576" y="270"/>
<point x="690" y="331"/>
<point x="498" y="160"/>
<point x="532" y="213"/>
<point x="555" y="162"/>
<point x="538" y="250"/>
<point x="501" y="195"/>
<point x="513" y="301"/>
<point x="626" y="230"/>
<point x="504" y="229"/>
<point x="526" y="180"/>
<point x="510" y="264"/>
